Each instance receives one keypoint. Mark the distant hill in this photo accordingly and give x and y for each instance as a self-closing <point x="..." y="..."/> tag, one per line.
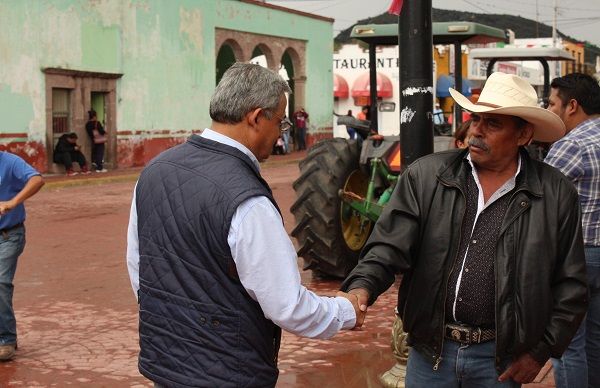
<point x="523" y="27"/>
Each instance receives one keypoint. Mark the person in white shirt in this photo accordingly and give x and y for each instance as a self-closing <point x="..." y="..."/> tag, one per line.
<point x="208" y="257"/>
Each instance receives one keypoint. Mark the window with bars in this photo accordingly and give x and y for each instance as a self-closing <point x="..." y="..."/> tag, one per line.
<point x="60" y="111"/>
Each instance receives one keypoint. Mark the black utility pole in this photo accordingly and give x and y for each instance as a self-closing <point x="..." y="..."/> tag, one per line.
<point x="458" y="80"/>
<point x="416" y="80"/>
<point x="373" y="86"/>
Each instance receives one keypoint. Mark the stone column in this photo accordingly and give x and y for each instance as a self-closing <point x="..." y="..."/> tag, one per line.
<point x="300" y="92"/>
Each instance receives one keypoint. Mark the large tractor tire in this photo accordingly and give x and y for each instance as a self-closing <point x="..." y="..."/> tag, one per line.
<point x="330" y="234"/>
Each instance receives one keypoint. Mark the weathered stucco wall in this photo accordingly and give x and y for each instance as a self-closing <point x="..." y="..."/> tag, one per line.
<point x="319" y="49"/>
<point x="165" y="51"/>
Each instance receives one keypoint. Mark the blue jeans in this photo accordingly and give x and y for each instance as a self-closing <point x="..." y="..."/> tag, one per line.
<point x="301" y="134"/>
<point x="11" y="246"/>
<point x="351" y="132"/>
<point x="580" y="364"/>
<point x="461" y="366"/>
<point x="285" y="136"/>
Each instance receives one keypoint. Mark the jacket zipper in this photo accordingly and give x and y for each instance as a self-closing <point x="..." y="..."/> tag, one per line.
<point x="439" y="355"/>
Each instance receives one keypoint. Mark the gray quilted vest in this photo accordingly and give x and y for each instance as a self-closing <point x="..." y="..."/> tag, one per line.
<point x="198" y="325"/>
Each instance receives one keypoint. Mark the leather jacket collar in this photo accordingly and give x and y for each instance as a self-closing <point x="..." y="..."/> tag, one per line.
<point x="455" y="172"/>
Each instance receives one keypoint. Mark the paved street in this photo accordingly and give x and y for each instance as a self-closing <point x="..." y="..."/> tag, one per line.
<point x="76" y="312"/>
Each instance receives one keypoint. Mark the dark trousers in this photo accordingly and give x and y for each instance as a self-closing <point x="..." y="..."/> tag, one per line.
<point x="67" y="159"/>
<point x="98" y="155"/>
<point x="301" y="133"/>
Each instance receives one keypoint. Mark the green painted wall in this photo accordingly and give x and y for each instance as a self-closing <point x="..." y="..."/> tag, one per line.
<point x="16" y="110"/>
<point x="164" y="49"/>
<point x="234" y="15"/>
<point x="100" y="47"/>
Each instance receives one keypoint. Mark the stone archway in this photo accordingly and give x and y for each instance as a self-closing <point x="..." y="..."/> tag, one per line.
<point x="274" y="48"/>
<point x="294" y="66"/>
<point x="263" y="49"/>
<point x="227" y="54"/>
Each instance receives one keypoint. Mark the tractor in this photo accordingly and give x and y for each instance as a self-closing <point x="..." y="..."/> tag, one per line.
<point x="342" y="188"/>
<point x="340" y="194"/>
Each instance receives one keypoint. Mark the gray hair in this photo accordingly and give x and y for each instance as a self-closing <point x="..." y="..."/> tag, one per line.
<point x="243" y="88"/>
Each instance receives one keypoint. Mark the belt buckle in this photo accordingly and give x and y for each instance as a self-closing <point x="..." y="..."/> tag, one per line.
<point x="457" y="330"/>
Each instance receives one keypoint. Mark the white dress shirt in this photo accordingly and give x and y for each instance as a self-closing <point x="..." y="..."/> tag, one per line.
<point x="266" y="264"/>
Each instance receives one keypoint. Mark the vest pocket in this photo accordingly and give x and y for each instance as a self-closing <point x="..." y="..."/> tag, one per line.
<point x="202" y="334"/>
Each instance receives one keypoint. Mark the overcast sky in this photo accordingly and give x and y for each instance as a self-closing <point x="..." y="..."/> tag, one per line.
<point x="577" y="18"/>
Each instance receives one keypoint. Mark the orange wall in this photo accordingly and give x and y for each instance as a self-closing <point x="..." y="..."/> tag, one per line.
<point x="578" y="53"/>
<point x="442" y="63"/>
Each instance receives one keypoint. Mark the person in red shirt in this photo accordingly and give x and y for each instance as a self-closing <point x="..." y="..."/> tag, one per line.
<point x="363" y="114"/>
<point x="301" y="122"/>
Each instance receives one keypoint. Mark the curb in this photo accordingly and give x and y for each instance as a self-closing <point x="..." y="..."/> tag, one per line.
<point x="59" y="183"/>
<point x="132" y="174"/>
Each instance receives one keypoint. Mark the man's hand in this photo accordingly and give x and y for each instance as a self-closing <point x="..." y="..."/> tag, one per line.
<point x="6" y="206"/>
<point x="359" y="298"/>
<point x="522" y="370"/>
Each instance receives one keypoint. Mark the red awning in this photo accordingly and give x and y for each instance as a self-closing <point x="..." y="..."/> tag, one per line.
<point x="361" y="86"/>
<point x="340" y="87"/>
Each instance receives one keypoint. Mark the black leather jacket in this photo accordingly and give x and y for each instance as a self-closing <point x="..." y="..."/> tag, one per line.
<point x="541" y="291"/>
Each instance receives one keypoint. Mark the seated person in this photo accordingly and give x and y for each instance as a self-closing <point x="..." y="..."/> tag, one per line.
<point x="279" y="147"/>
<point x="67" y="151"/>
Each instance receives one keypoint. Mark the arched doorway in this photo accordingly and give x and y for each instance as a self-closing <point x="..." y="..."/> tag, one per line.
<point x="288" y="65"/>
<point x="264" y="50"/>
<point x="229" y="53"/>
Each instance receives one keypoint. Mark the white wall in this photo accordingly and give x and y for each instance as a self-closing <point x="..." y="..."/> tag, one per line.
<point x="351" y="62"/>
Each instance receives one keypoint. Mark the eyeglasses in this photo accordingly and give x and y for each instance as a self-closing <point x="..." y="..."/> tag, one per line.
<point x="284" y="124"/>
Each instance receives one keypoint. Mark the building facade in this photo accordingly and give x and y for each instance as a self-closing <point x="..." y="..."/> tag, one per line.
<point x="148" y="67"/>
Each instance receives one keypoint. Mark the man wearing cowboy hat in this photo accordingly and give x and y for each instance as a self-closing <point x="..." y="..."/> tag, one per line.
<point x="489" y="243"/>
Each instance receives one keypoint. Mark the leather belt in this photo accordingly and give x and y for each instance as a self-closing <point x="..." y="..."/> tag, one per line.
<point x="6" y="230"/>
<point x="468" y="334"/>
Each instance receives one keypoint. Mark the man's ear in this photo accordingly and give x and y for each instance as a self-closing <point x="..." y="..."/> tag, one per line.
<point x="252" y="116"/>
<point x="572" y="106"/>
<point x="526" y="136"/>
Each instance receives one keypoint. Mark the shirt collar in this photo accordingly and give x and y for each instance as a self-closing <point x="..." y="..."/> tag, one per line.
<point x="583" y="126"/>
<point x="501" y="191"/>
<point x="468" y="157"/>
<point x="220" y="138"/>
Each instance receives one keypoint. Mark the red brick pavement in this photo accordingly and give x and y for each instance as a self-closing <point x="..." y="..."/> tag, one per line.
<point x="77" y="316"/>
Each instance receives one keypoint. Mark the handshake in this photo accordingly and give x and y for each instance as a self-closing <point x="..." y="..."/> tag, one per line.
<point x="359" y="298"/>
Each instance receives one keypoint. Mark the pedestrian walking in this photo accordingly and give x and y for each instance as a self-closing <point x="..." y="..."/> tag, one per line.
<point x="301" y="122"/>
<point x="18" y="182"/>
<point x="575" y="98"/>
<point x="213" y="267"/>
<point x="351" y="131"/>
<point x="489" y="242"/>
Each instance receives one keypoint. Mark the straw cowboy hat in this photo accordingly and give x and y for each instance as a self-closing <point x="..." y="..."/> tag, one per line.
<point x="508" y="94"/>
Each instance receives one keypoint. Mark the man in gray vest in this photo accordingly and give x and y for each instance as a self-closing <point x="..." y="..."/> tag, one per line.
<point x="213" y="267"/>
<point x="489" y="242"/>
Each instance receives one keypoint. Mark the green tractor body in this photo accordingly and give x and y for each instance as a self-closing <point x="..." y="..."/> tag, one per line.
<point x="340" y="194"/>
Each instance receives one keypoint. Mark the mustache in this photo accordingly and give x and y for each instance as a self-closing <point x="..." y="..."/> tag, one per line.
<point x="477" y="142"/>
